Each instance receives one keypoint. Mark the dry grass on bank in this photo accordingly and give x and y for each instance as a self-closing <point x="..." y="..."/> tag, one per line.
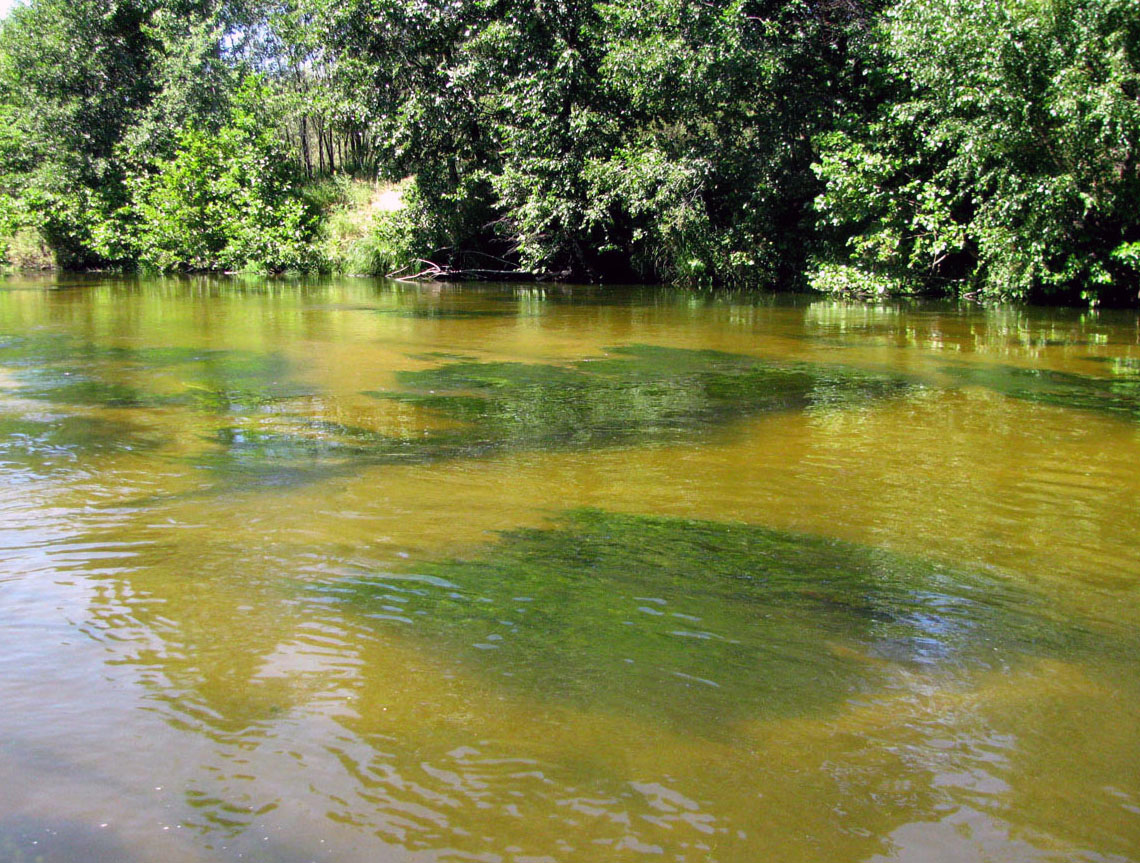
<point x="361" y="227"/>
<point x="27" y="250"/>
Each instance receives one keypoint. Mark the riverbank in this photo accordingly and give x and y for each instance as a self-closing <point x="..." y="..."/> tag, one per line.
<point x="751" y="145"/>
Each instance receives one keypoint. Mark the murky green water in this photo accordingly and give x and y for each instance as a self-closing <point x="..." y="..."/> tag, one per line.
<point x="362" y="572"/>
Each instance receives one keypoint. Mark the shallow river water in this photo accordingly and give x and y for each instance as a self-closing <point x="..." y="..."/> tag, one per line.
<point x="357" y="571"/>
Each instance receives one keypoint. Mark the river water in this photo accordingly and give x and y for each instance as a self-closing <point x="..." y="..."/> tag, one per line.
<point x="358" y="571"/>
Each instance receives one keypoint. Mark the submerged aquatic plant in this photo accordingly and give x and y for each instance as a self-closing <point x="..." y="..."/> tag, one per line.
<point x="1117" y="395"/>
<point x="46" y="439"/>
<point x="699" y="623"/>
<point x="469" y="409"/>
<point x="636" y="394"/>
<point x="64" y="371"/>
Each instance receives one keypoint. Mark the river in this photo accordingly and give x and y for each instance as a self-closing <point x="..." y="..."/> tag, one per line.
<point x="353" y="570"/>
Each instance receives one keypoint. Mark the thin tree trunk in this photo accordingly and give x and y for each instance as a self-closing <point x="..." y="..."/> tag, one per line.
<point x="305" y="154"/>
<point x="319" y="125"/>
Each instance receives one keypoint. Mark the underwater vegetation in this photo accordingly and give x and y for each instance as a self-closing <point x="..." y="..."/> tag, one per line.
<point x="65" y="371"/>
<point x="637" y="395"/>
<point x="45" y="439"/>
<point x="270" y="429"/>
<point x="699" y="623"/>
<point x="1117" y="394"/>
<point x="64" y="397"/>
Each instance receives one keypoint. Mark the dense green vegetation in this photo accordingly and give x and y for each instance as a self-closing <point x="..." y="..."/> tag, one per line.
<point x="1001" y="154"/>
<point x="982" y="147"/>
<point x="700" y="623"/>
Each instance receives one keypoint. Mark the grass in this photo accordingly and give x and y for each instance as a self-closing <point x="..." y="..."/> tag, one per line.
<point x="27" y="250"/>
<point x="364" y="231"/>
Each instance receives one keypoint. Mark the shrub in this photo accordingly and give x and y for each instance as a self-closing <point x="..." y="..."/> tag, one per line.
<point x="226" y="201"/>
<point x="1004" y="158"/>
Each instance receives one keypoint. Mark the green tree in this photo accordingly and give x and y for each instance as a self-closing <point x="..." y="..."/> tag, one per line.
<point x="89" y="91"/>
<point x="718" y="103"/>
<point x="621" y="139"/>
<point x="1003" y="159"/>
<point x="226" y="200"/>
<point x="73" y="75"/>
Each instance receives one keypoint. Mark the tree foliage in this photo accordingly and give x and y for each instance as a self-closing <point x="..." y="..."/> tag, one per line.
<point x="225" y="200"/>
<point x="606" y="140"/>
<point x="969" y="146"/>
<point x="74" y="75"/>
<point x="129" y="136"/>
<point x="1003" y="158"/>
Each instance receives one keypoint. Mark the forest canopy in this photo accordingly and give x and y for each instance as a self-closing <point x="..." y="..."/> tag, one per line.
<point x="957" y="147"/>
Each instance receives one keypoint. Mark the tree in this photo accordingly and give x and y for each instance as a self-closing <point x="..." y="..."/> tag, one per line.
<point x="226" y="200"/>
<point x="604" y="140"/>
<point x="74" y="74"/>
<point x="90" y="90"/>
<point x="1003" y="160"/>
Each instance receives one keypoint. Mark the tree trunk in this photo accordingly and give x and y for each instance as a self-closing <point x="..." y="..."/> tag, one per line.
<point x="306" y="156"/>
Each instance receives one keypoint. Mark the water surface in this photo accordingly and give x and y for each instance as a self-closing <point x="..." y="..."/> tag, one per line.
<point x="360" y="571"/>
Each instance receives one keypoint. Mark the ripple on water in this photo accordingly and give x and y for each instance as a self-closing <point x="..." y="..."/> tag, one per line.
<point x="246" y="602"/>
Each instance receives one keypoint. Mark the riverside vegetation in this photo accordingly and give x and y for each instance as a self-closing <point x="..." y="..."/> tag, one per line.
<point x="960" y="147"/>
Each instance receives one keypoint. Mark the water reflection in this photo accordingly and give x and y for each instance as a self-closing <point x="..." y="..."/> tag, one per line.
<point x="1009" y="332"/>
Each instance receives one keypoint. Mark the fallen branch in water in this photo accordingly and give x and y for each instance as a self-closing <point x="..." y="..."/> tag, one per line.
<point x="445" y="273"/>
<point x="430" y="272"/>
<point x="482" y="275"/>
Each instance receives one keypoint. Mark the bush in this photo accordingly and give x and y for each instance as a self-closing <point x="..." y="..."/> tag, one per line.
<point x="1004" y="158"/>
<point x="27" y="249"/>
<point x="367" y="226"/>
<point x="226" y="201"/>
<point x="848" y="281"/>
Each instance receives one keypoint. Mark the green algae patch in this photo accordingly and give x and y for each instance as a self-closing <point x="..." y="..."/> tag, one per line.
<point x="39" y="441"/>
<point x="469" y="409"/>
<point x="701" y="623"/>
<point x="253" y="457"/>
<point x="63" y="371"/>
<point x="638" y="394"/>
<point x="1117" y="394"/>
